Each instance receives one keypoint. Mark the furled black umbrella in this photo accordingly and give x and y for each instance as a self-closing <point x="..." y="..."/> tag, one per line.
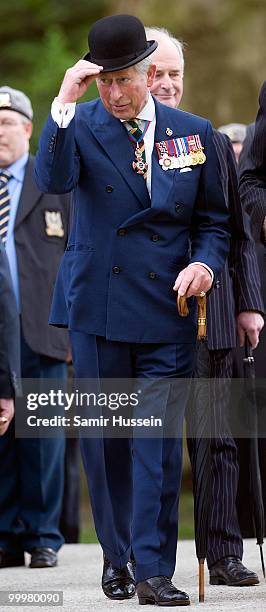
<point x="199" y="448"/>
<point x="255" y="476"/>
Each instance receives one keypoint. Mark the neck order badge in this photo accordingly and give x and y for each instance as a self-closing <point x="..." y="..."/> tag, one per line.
<point x="136" y="135"/>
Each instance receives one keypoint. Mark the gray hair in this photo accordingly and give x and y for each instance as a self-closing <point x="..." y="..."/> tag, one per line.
<point x="143" y="66"/>
<point x="154" y="33"/>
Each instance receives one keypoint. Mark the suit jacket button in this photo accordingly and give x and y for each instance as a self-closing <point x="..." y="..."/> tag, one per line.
<point x="121" y="232"/>
<point x="217" y="285"/>
<point x="155" y="238"/>
<point x="152" y="275"/>
<point x="177" y="207"/>
<point x="116" y="270"/>
<point x="109" y="188"/>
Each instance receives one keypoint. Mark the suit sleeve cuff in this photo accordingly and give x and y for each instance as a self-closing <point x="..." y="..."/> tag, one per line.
<point x="62" y="114"/>
<point x="6" y="387"/>
<point x="199" y="263"/>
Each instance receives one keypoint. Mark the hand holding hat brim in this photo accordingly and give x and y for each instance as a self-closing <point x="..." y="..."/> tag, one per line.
<point x="76" y="81"/>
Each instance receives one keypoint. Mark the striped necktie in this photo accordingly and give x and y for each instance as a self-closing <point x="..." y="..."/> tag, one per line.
<point x="136" y="135"/>
<point x="4" y="204"/>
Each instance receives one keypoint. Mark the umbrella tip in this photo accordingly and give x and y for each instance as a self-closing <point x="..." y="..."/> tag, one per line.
<point x="201" y="598"/>
<point x="262" y="560"/>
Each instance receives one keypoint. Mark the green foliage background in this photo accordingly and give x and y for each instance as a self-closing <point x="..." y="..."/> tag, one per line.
<point x="225" y="49"/>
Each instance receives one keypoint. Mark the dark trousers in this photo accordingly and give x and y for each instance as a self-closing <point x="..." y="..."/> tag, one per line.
<point x="134" y="482"/>
<point x="31" y="475"/>
<point x="224" y="538"/>
<point x="70" y="514"/>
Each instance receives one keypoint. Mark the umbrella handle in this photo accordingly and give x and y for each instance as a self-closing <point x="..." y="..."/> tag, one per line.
<point x="248" y="348"/>
<point x="201" y="580"/>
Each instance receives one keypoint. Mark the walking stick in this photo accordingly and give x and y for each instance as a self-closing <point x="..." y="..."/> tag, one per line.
<point x="202" y="318"/>
<point x="201" y="486"/>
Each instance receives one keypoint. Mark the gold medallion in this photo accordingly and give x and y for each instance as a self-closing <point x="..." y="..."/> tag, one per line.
<point x="201" y="157"/>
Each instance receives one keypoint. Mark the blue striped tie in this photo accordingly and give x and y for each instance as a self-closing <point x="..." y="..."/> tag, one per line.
<point x="4" y="204"/>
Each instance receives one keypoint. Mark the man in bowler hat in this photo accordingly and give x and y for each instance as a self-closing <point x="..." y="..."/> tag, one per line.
<point x="145" y="227"/>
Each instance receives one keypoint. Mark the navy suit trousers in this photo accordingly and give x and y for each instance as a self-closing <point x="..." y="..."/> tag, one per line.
<point x="134" y="483"/>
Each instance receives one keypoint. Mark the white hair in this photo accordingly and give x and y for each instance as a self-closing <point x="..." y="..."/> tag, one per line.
<point x="154" y="33"/>
<point x="143" y="65"/>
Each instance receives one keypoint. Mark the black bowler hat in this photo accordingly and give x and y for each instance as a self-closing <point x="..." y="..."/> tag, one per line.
<point x="118" y="42"/>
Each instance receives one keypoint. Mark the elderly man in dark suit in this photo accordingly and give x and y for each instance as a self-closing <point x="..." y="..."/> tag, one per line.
<point x="33" y="228"/>
<point x="9" y="344"/>
<point x="141" y="181"/>
<point x="252" y="172"/>
<point x="234" y="304"/>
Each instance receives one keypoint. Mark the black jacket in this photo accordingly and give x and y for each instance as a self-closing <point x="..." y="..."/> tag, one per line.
<point x="253" y="171"/>
<point x="9" y="332"/>
<point x="238" y="286"/>
<point x="40" y="239"/>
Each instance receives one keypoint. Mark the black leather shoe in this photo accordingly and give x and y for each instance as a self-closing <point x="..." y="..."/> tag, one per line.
<point x="118" y="583"/>
<point x="232" y="572"/>
<point x="8" y="559"/>
<point x="161" y="591"/>
<point x="43" y="557"/>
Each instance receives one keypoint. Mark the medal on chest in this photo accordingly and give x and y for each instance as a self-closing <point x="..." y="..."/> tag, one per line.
<point x="180" y="153"/>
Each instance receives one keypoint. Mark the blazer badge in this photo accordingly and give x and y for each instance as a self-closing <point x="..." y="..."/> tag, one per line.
<point x="180" y="152"/>
<point x="54" y="223"/>
<point x="5" y="100"/>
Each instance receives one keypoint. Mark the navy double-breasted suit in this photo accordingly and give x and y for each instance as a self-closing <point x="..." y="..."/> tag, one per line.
<point x="115" y="291"/>
<point x="105" y="285"/>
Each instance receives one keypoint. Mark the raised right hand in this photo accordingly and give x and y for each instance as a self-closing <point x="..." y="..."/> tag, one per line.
<point x="76" y="81"/>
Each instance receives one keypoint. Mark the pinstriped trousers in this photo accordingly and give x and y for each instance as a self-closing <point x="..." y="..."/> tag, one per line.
<point x="224" y="538"/>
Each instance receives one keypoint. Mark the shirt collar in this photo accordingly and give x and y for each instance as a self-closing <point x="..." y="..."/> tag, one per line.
<point x="17" y="169"/>
<point x="148" y="112"/>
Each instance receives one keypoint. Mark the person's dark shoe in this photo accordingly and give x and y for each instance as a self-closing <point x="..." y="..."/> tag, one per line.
<point x="160" y="590"/>
<point x="8" y="559"/>
<point x="232" y="572"/>
<point x="43" y="557"/>
<point x="118" y="583"/>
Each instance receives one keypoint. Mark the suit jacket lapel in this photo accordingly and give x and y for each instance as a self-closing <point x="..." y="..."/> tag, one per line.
<point x="111" y="134"/>
<point x="162" y="180"/>
<point x="30" y="194"/>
